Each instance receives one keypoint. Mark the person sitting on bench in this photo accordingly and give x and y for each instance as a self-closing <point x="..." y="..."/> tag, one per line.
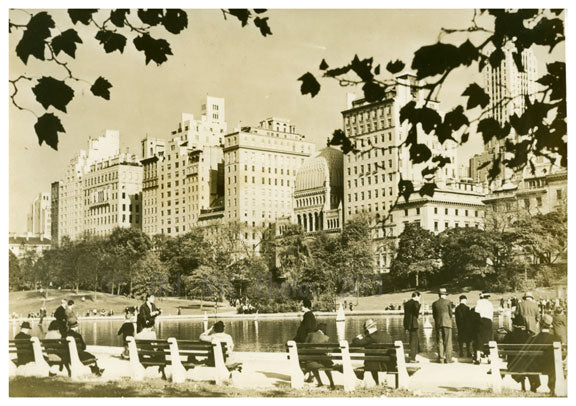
<point x="24" y="355"/>
<point x="518" y="335"/>
<point x="545" y="362"/>
<point x="371" y="336"/>
<point x="217" y="332"/>
<point x="319" y="337"/>
<point x="85" y="357"/>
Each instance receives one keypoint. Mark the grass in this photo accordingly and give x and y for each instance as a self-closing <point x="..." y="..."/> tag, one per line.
<point x="65" y="387"/>
<point x="23" y="302"/>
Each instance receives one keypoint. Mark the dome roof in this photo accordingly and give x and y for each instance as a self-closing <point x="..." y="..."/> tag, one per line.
<point x="327" y="164"/>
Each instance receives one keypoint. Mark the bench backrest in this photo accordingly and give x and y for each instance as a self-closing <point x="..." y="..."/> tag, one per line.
<point x="199" y="348"/>
<point x="318" y="352"/>
<point x="21" y="349"/>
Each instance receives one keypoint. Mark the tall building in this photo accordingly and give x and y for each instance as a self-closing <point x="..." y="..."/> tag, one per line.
<point x="260" y="167"/>
<point x="54" y="204"/>
<point x="371" y="176"/>
<point x="112" y="194"/>
<point x="318" y="192"/>
<point x="39" y="217"/>
<point x="183" y="176"/>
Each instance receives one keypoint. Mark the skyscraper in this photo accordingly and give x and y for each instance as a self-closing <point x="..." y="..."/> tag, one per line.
<point x="39" y="216"/>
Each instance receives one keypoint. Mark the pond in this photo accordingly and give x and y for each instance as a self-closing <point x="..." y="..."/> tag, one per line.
<point x="265" y="335"/>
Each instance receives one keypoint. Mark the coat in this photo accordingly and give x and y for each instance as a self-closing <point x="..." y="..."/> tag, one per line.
<point x="307" y="325"/>
<point x="559" y="327"/>
<point x="377" y="337"/>
<point x="442" y="313"/>
<point x="23" y="354"/>
<point x="145" y="318"/>
<point x="529" y="311"/>
<point x="317" y="337"/>
<point x="411" y="314"/>
<point x="464" y="323"/>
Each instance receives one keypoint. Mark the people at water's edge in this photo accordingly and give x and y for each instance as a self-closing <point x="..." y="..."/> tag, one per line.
<point x="528" y="311"/>
<point x="411" y="324"/>
<point x="485" y="311"/>
<point x="442" y="314"/>
<point x="128" y="329"/>
<point x="464" y="324"/>
<point x="308" y="323"/>
<point x="147" y="315"/>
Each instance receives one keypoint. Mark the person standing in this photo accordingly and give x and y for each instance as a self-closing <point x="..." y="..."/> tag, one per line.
<point x="128" y="329"/>
<point x="464" y="326"/>
<point x="529" y="311"/>
<point x="485" y="311"/>
<point x="60" y="316"/>
<point x="442" y="314"/>
<point x="559" y="325"/>
<point x="147" y="315"/>
<point x="71" y="317"/>
<point x="411" y="323"/>
<point x="308" y="323"/>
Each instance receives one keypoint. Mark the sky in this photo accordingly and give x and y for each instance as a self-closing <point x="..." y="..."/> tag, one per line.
<point x="256" y="75"/>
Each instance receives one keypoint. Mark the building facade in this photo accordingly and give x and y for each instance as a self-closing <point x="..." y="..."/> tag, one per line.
<point x="20" y="245"/>
<point x="54" y="219"/>
<point x="39" y="217"/>
<point x="260" y="167"/>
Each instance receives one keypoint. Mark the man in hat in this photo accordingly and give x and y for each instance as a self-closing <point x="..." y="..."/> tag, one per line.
<point x="464" y="326"/>
<point x="411" y="324"/>
<point x="528" y="310"/>
<point x="442" y="314"/>
<point x="60" y="316"/>
<point x="371" y="336"/>
<point x="518" y="362"/>
<point x="23" y="353"/>
<point x="485" y="311"/>
<point x="545" y="362"/>
<point x="308" y="323"/>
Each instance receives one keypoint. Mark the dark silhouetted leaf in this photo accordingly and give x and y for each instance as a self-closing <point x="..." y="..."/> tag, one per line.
<point x="468" y="53"/>
<point x="464" y="138"/>
<point x="241" y="14"/>
<point x="309" y="84"/>
<point x="36" y="32"/>
<point x="496" y="58"/>
<point x="262" y="24"/>
<point x="435" y="59"/>
<point x="429" y="118"/>
<point x="373" y="92"/>
<point x="427" y="189"/>
<point x="407" y="111"/>
<point x="47" y="128"/>
<point x="118" y="16"/>
<point x="405" y="189"/>
<point x="154" y="49"/>
<point x="548" y="32"/>
<point x="66" y="42"/>
<point x="112" y="41"/>
<point x="101" y="88"/>
<point x="476" y="96"/>
<point x="340" y="139"/>
<point x="53" y="92"/>
<point x="151" y="16"/>
<point x="323" y="65"/>
<point x="175" y="20"/>
<point x="377" y="70"/>
<point x="428" y="171"/>
<point x="419" y="153"/>
<point x="363" y="68"/>
<point x="490" y="128"/>
<point x="84" y="15"/>
<point x="495" y="170"/>
<point x="260" y="10"/>
<point x="395" y="67"/>
<point x="441" y="161"/>
<point x="335" y="72"/>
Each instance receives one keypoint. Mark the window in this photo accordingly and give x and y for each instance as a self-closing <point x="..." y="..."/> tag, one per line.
<point x="559" y="194"/>
<point x="435" y="226"/>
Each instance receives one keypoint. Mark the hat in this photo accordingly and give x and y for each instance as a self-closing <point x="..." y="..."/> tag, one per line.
<point x="25" y="324"/>
<point x="442" y="291"/>
<point x="528" y="294"/>
<point x="307" y="303"/>
<point x="484" y="295"/>
<point x="547" y="320"/>
<point x="369" y="324"/>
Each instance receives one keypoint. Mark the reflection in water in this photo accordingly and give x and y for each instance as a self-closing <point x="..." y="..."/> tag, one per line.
<point x="251" y="335"/>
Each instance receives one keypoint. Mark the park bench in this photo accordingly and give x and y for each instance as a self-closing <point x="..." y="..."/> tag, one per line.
<point x="392" y="355"/>
<point x="21" y="349"/>
<point x="521" y="359"/>
<point x="181" y="356"/>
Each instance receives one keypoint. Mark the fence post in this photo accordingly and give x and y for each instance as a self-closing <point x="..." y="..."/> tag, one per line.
<point x="41" y="364"/>
<point x="560" y="388"/>
<point x="401" y="365"/>
<point x="296" y="375"/>
<point x="178" y="370"/>
<point x="495" y="367"/>
<point x="136" y="368"/>
<point x="220" y="371"/>
<point x="347" y="371"/>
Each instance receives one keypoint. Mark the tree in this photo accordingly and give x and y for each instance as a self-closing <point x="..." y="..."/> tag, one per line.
<point x="15" y="280"/>
<point x="417" y="256"/>
<point x="541" y="128"/>
<point x="57" y="46"/>
<point x="544" y="236"/>
<point x="150" y="277"/>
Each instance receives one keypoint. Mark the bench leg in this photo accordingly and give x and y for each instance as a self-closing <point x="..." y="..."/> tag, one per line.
<point x="178" y="371"/>
<point x="136" y="368"/>
<point x="296" y="375"/>
<point x="560" y="386"/>
<point x="347" y="371"/>
<point x="495" y="367"/>
<point x="42" y="367"/>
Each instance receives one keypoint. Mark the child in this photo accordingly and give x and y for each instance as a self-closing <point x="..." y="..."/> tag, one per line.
<point x="128" y="329"/>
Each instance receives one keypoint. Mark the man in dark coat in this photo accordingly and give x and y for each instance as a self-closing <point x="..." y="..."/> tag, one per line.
<point x="559" y="325"/>
<point x="60" y="316"/>
<point x="147" y="314"/>
<point x="442" y="313"/>
<point x="528" y="309"/>
<point x="411" y="324"/>
<point x="86" y="357"/>
<point x="464" y="325"/>
<point x="518" y="362"/>
<point x="319" y="337"/>
<point x="545" y="362"/>
<point x="308" y="323"/>
<point x="23" y="353"/>
<point x="372" y="336"/>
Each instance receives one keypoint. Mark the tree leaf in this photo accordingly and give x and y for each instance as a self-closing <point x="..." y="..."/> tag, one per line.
<point x="262" y="23"/>
<point x="151" y="16"/>
<point x="53" y="92"/>
<point x="419" y="153"/>
<point x="373" y="92"/>
<point x="323" y="64"/>
<point x="83" y="15"/>
<point x="468" y="53"/>
<point x="476" y="96"/>
<point x="101" y="87"/>
<point x="427" y="189"/>
<point x="395" y="67"/>
<point x="260" y="10"/>
<point x="405" y="189"/>
<point x="36" y="32"/>
<point x="118" y="16"/>
<point x="363" y="68"/>
<point x="242" y="14"/>
<point x="112" y="41"/>
<point x="490" y="128"/>
<point x="47" y="128"/>
<point x="496" y="58"/>
<point x="309" y="84"/>
<point x="154" y="49"/>
<point x="435" y="59"/>
<point x="175" y="20"/>
<point x="66" y="42"/>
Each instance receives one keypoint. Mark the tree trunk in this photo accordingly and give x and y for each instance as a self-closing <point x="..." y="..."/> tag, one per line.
<point x="416" y="279"/>
<point x="77" y="287"/>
